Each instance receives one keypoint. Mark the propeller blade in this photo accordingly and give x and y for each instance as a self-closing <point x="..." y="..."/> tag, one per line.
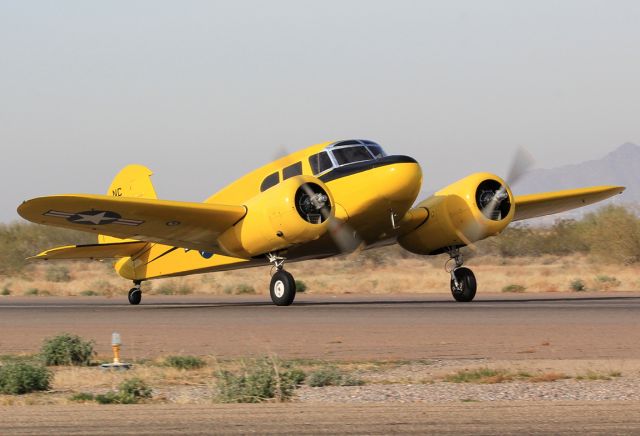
<point x="345" y="238"/>
<point x="521" y="163"/>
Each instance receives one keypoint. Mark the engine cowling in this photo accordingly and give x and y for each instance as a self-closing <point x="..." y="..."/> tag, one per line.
<point x="295" y="211"/>
<point x="461" y="214"/>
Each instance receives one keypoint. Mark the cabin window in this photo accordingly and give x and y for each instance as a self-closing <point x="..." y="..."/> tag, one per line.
<point x="269" y="181"/>
<point x="320" y="162"/>
<point x="376" y="151"/>
<point x="349" y="155"/>
<point x="292" y="171"/>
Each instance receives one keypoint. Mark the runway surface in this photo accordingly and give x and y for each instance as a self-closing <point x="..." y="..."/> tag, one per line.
<point x="368" y="327"/>
<point x="495" y="418"/>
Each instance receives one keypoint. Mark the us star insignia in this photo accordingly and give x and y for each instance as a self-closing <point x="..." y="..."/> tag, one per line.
<point x="94" y="218"/>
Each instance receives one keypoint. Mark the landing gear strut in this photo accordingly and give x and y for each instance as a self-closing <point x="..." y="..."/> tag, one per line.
<point x="463" y="281"/>
<point x="135" y="293"/>
<point x="283" y="285"/>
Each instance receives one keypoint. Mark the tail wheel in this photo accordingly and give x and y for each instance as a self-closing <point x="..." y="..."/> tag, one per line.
<point x="283" y="288"/>
<point x="465" y="289"/>
<point x="135" y="295"/>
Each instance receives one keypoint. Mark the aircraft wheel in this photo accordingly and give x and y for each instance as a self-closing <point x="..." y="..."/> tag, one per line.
<point x="135" y="296"/>
<point x="283" y="288"/>
<point x="467" y="285"/>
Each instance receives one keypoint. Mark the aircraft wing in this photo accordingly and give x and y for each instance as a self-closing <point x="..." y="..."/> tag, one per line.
<point x="93" y="251"/>
<point x="180" y="224"/>
<point x="547" y="203"/>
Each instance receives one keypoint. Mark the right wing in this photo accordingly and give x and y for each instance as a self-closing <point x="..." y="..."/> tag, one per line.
<point x="180" y="224"/>
<point x="547" y="203"/>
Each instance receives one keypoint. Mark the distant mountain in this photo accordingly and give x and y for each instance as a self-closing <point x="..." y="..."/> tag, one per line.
<point x="620" y="167"/>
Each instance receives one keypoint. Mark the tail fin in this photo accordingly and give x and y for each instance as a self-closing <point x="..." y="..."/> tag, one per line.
<point x="132" y="181"/>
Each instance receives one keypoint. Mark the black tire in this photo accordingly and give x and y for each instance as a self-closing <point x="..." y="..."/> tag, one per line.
<point x="135" y="296"/>
<point x="467" y="281"/>
<point x="282" y="288"/>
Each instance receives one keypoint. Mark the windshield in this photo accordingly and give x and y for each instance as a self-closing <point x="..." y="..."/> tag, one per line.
<point x="349" y="155"/>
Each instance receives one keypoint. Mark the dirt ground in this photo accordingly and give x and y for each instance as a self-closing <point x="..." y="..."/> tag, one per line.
<point x="571" y="333"/>
<point x="528" y="418"/>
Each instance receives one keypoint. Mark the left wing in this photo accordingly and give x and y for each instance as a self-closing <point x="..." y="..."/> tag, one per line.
<point x="93" y="251"/>
<point x="180" y="224"/>
<point x="547" y="203"/>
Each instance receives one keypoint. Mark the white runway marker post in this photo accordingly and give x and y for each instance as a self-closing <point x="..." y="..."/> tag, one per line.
<point x="116" y="343"/>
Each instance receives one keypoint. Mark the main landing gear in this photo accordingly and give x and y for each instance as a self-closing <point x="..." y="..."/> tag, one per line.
<point x="135" y="293"/>
<point x="463" y="282"/>
<point x="283" y="285"/>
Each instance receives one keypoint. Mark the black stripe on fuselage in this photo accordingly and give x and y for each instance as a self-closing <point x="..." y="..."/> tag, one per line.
<point x="360" y="167"/>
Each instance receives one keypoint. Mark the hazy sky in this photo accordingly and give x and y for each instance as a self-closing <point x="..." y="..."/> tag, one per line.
<point x="202" y="92"/>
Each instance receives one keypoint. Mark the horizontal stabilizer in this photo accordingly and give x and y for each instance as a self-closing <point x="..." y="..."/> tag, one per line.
<point x="174" y="223"/>
<point x="93" y="251"/>
<point x="547" y="203"/>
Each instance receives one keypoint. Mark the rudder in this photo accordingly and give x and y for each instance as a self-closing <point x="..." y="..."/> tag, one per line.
<point x="132" y="181"/>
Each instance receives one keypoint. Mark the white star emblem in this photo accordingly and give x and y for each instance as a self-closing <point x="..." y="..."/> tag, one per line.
<point x="97" y="219"/>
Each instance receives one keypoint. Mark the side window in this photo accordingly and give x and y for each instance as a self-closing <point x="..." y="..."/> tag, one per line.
<point x="269" y="181"/>
<point x="320" y="162"/>
<point x="292" y="170"/>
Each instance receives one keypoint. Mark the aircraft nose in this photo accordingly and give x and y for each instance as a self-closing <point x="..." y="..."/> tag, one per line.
<point x="402" y="180"/>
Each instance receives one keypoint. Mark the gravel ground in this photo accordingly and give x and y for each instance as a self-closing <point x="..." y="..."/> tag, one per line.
<point x="619" y="389"/>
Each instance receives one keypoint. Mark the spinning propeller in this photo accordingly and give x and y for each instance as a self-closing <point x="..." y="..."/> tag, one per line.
<point x="492" y="197"/>
<point x="521" y="163"/>
<point x="316" y="201"/>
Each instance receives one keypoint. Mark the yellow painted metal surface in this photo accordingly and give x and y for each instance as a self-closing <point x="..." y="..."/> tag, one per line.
<point x="94" y="251"/>
<point x="547" y="203"/>
<point x="454" y="218"/>
<point x="132" y="181"/>
<point x="190" y="225"/>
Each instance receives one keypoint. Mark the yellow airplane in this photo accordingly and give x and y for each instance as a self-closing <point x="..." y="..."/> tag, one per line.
<point x="321" y="201"/>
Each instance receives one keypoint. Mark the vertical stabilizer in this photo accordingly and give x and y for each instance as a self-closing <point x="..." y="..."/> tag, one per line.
<point x="132" y="181"/>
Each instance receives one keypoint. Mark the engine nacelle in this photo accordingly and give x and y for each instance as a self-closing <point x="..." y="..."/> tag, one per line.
<point x="461" y="214"/>
<point x="280" y="217"/>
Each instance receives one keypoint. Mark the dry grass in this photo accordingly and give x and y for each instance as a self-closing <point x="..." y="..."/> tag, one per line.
<point x="355" y="274"/>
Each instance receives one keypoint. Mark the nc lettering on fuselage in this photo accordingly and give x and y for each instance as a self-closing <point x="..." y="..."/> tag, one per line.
<point x="117" y="192"/>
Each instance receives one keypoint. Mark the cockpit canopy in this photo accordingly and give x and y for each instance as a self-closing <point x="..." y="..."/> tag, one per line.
<point x="345" y="153"/>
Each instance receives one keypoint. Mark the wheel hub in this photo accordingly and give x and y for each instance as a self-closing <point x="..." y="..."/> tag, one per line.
<point x="278" y="289"/>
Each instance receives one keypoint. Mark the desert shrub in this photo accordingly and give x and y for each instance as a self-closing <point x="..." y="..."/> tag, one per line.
<point x="58" y="274"/>
<point x="514" y="288"/>
<point x="130" y="391"/>
<point x="32" y="291"/>
<point x="185" y="362"/>
<point x="239" y="289"/>
<point x="578" y="285"/>
<point x="613" y="234"/>
<point x="89" y="293"/>
<point x="480" y="375"/>
<point x="332" y="376"/>
<point x="82" y="397"/>
<point x="257" y="381"/>
<point x="102" y="287"/>
<point x="5" y="290"/>
<point x="67" y="349"/>
<point x="607" y="282"/>
<point x="174" y="287"/>
<point x="301" y="286"/>
<point x="20" y="378"/>
<point x="20" y="240"/>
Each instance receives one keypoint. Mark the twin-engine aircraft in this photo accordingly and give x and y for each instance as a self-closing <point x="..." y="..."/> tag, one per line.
<point x="325" y="200"/>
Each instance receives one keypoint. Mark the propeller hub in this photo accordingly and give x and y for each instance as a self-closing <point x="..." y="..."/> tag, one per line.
<point x="312" y="203"/>
<point x="492" y="198"/>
